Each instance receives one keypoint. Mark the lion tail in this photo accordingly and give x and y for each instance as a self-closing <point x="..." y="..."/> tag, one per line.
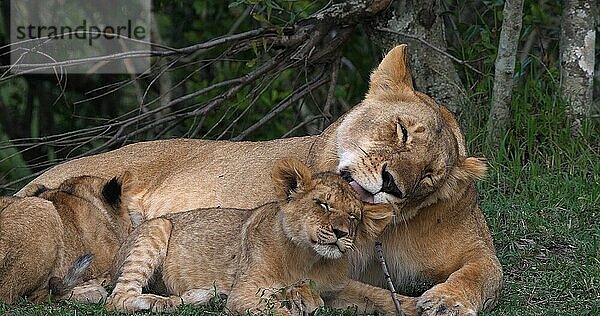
<point x="61" y="287"/>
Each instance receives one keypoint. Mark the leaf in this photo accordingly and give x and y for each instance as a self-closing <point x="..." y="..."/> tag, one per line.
<point x="283" y="293"/>
<point x="236" y="3"/>
<point x="251" y="63"/>
<point x="313" y="286"/>
<point x="259" y="17"/>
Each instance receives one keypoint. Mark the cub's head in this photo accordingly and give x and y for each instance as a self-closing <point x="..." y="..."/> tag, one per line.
<point x="322" y="211"/>
<point x="400" y="147"/>
<point x="93" y="195"/>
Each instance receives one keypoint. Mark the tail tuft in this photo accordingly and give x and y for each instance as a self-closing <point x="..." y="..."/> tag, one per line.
<point x="61" y="287"/>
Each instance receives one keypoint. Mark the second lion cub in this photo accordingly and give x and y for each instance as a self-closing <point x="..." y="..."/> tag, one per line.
<point x="250" y="255"/>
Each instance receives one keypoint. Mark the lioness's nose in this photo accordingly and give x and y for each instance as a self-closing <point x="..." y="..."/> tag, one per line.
<point x="389" y="185"/>
<point x="340" y="233"/>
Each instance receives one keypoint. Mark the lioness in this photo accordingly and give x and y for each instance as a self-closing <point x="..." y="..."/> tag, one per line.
<point x="396" y="146"/>
<point x="250" y="254"/>
<point x="47" y="240"/>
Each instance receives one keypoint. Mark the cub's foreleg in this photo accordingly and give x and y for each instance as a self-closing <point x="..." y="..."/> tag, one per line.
<point x="262" y="296"/>
<point x="140" y="256"/>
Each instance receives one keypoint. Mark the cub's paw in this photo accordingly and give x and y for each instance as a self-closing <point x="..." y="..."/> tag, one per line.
<point x="436" y="302"/>
<point x="300" y="299"/>
<point x="165" y="304"/>
<point x="143" y="302"/>
<point x="89" y="292"/>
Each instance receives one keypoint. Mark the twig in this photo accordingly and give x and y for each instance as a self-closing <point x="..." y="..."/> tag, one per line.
<point x="335" y="68"/>
<point x="297" y="127"/>
<point x="437" y="49"/>
<point x="388" y="278"/>
<point x="300" y="93"/>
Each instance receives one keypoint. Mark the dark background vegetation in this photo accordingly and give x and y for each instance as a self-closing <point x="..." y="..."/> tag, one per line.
<point x="542" y="193"/>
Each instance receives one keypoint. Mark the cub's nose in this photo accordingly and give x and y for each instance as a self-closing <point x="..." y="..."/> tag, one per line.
<point x="340" y="233"/>
<point x="389" y="185"/>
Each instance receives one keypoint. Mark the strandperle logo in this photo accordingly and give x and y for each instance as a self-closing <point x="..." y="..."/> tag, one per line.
<point x="83" y="31"/>
<point x="80" y="36"/>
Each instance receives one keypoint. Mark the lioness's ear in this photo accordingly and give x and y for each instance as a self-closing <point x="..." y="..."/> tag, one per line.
<point x="471" y="168"/>
<point x="290" y="176"/>
<point x="376" y="217"/>
<point x="393" y="73"/>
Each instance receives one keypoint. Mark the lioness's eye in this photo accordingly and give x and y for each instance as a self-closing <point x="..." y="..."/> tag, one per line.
<point x="352" y="217"/>
<point x="402" y="132"/>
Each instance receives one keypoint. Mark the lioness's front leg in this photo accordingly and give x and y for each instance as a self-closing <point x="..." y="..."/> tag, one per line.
<point x="368" y="298"/>
<point x="473" y="287"/>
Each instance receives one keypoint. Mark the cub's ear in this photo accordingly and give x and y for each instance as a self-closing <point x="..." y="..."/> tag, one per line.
<point x="290" y="176"/>
<point x="392" y="76"/>
<point x="376" y="217"/>
<point x="471" y="168"/>
<point x="120" y="188"/>
<point x="111" y="192"/>
<point x="35" y="190"/>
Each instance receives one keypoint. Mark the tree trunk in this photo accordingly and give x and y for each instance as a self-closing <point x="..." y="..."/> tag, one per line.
<point x="577" y="43"/>
<point x="504" y="71"/>
<point x="433" y="72"/>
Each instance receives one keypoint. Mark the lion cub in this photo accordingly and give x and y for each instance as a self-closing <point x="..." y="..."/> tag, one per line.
<point x="54" y="239"/>
<point x="250" y="255"/>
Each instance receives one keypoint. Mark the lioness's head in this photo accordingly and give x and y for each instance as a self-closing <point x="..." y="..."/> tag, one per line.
<point x="400" y="147"/>
<point x="322" y="211"/>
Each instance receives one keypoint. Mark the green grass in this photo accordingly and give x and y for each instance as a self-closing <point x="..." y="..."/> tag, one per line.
<point x="547" y="237"/>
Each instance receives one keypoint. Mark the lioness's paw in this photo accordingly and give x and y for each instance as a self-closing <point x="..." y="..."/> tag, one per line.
<point x="435" y="302"/>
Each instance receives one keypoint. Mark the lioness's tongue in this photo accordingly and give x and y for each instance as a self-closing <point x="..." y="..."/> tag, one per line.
<point x="364" y="195"/>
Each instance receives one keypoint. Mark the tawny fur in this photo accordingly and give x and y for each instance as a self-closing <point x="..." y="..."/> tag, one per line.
<point x="42" y="237"/>
<point x="249" y="255"/>
<point x="440" y="235"/>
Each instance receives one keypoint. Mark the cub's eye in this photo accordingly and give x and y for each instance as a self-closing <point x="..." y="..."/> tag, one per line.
<point x="427" y="179"/>
<point x="324" y="205"/>
<point x="352" y="217"/>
